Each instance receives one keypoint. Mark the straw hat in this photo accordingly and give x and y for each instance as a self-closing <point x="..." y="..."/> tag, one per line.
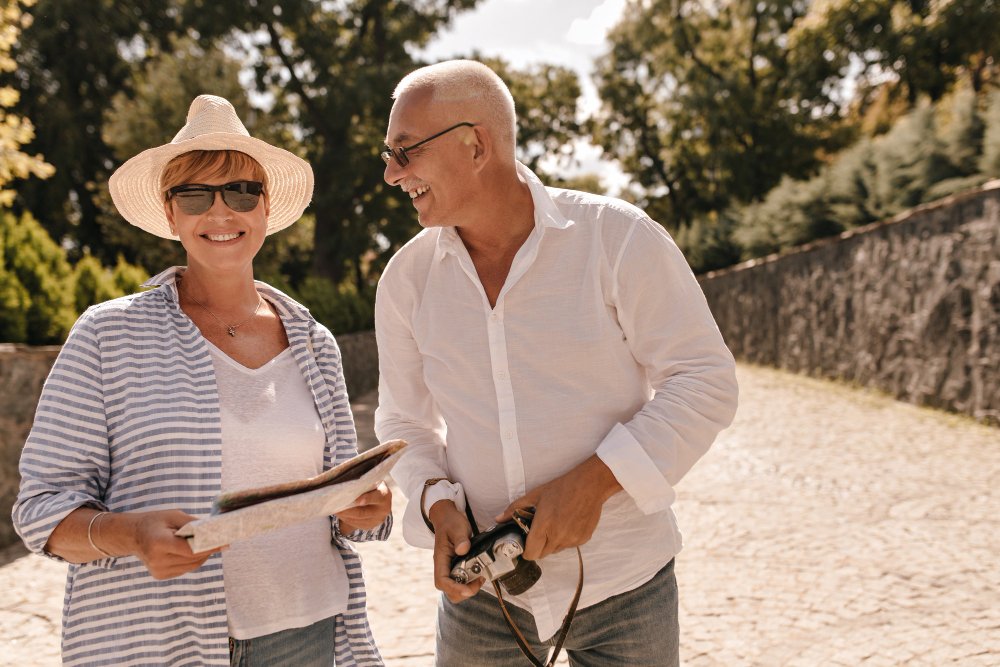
<point x="212" y="124"/>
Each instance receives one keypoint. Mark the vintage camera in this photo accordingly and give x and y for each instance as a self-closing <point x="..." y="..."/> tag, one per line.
<point x="495" y="554"/>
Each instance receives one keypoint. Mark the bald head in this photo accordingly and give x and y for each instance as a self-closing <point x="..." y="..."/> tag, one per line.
<point x="472" y="88"/>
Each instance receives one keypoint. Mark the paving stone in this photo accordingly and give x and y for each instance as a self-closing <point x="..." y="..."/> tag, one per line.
<point x="828" y="526"/>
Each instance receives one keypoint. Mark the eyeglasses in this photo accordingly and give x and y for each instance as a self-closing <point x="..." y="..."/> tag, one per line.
<point x="196" y="198"/>
<point x="399" y="154"/>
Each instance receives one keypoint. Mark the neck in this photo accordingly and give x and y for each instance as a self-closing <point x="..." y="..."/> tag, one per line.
<point x="220" y="290"/>
<point x="505" y="220"/>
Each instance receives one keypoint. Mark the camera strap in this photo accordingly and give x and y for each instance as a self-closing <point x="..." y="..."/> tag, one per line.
<point x="514" y="630"/>
<point x="522" y="643"/>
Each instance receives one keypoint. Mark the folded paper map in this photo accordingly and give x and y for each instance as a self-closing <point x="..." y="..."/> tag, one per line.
<point x="241" y="514"/>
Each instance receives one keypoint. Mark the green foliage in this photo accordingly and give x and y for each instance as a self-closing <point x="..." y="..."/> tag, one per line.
<point x="708" y="104"/>
<point x="793" y="213"/>
<point x="92" y="283"/>
<point x="14" y="302"/>
<point x="40" y="294"/>
<point x="919" y="160"/>
<point x="39" y="265"/>
<point x="707" y="242"/>
<point x="910" y="159"/>
<point x="15" y="130"/>
<point x="72" y="60"/>
<point x="330" y="69"/>
<point x="340" y="307"/>
<point x="128" y="278"/>
<point x="919" y="48"/>
<point x="962" y="131"/>
<point x="989" y="162"/>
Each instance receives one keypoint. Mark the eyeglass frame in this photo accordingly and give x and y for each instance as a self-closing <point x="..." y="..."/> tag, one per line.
<point x="221" y="189"/>
<point x="399" y="154"/>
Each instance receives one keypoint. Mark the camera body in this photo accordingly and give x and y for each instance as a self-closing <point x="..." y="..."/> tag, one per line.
<point x="495" y="554"/>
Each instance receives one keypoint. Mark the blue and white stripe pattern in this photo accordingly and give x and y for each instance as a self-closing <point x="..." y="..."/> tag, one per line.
<point x="128" y="421"/>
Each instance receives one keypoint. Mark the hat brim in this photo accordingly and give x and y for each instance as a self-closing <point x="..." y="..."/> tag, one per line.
<point x="135" y="186"/>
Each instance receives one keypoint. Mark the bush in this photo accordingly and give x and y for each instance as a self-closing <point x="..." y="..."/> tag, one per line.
<point x="40" y="294"/>
<point x="41" y="268"/>
<point x="989" y="162"/>
<point x="92" y="283"/>
<point x="340" y="307"/>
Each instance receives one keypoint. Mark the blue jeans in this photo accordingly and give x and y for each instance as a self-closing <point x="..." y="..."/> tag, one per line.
<point x="635" y="629"/>
<point x="311" y="646"/>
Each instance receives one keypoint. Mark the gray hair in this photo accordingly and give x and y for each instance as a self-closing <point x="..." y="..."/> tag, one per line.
<point x="459" y="81"/>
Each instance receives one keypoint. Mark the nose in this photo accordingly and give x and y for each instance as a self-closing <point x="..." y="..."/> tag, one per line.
<point x="393" y="173"/>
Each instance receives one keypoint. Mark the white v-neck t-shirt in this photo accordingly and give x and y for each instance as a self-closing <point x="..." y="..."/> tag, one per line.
<point x="294" y="576"/>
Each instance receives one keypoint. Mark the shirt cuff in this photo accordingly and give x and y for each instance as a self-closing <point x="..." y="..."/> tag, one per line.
<point x="635" y="471"/>
<point x="444" y="490"/>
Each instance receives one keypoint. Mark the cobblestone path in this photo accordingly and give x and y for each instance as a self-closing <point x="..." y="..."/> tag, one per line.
<point x="828" y="526"/>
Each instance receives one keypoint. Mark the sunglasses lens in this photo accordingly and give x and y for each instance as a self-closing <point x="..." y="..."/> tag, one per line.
<point x="241" y="196"/>
<point x="194" y="202"/>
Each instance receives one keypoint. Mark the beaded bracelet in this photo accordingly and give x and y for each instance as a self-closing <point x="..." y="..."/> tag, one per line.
<point x="90" y="538"/>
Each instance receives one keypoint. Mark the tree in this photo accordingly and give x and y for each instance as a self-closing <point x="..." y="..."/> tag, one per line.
<point x="72" y="60"/>
<point x="918" y="47"/>
<point x="331" y="68"/>
<point x="15" y="130"/>
<point x="709" y="104"/>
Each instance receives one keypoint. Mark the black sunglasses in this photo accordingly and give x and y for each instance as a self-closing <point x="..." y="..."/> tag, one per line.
<point x="196" y="198"/>
<point x="399" y="154"/>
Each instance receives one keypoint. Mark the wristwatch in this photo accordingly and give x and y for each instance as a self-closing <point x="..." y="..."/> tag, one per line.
<point x="440" y="488"/>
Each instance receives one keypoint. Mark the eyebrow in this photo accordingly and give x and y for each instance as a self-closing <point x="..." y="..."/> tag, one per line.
<point x="400" y="138"/>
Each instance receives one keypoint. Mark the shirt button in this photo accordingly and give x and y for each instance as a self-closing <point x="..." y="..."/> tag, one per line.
<point x="502" y="375"/>
<point x="509" y="435"/>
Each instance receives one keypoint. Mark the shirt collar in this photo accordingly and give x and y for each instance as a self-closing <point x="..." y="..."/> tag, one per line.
<point x="547" y="214"/>
<point x="287" y="307"/>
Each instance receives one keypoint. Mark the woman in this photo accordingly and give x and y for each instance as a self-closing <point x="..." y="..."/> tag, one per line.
<point x="160" y="401"/>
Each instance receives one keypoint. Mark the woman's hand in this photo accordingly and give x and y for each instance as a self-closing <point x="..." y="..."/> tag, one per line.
<point x="149" y="536"/>
<point x="155" y="544"/>
<point x="368" y="511"/>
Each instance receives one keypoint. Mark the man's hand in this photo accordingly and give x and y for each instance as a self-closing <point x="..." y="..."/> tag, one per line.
<point x="451" y="538"/>
<point x="567" y="509"/>
<point x="368" y="511"/>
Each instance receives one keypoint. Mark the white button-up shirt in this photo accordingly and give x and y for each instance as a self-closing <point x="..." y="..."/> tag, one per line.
<point x="600" y="341"/>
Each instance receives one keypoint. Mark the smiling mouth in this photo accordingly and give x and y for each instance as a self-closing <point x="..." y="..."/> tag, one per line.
<point x="416" y="192"/>
<point x="220" y="238"/>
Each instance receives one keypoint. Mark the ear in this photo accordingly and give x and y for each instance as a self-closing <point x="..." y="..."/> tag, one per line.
<point x="482" y="145"/>
<point x="169" y="210"/>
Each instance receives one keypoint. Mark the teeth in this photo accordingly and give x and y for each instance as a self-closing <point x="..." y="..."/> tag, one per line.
<point x="221" y="237"/>
<point x="416" y="192"/>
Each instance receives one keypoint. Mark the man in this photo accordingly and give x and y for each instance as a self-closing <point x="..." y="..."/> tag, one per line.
<point x="539" y="348"/>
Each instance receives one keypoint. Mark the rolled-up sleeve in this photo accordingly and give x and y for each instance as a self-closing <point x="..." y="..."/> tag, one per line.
<point x="65" y="463"/>
<point x="672" y="334"/>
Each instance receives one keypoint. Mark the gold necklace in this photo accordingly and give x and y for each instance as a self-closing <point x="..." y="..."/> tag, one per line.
<point x="230" y="328"/>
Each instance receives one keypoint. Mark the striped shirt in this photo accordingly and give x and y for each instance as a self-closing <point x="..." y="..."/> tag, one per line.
<point x="129" y="420"/>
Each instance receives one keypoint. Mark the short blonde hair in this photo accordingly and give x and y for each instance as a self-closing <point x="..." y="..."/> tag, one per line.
<point x="188" y="167"/>
<point x="459" y="81"/>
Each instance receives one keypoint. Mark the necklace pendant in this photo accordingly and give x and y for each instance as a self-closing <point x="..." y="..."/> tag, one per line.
<point x="231" y="331"/>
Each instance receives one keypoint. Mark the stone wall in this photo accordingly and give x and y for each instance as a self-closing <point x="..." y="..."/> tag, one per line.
<point x="910" y="306"/>
<point x="23" y="369"/>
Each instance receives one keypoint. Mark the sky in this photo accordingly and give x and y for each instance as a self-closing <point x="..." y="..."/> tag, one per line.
<point x="570" y="33"/>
